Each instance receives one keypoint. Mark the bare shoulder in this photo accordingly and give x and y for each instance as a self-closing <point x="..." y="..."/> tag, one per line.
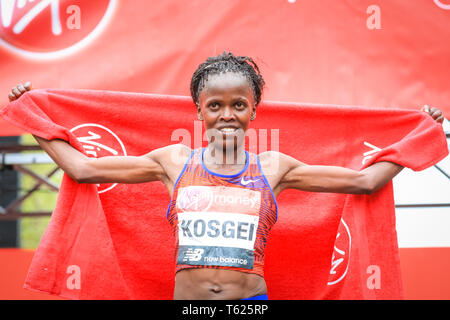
<point x="268" y="155"/>
<point x="171" y="155"/>
<point x="179" y="149"/>
<point x="278" y="161"/>
<point x="275" y="165"/>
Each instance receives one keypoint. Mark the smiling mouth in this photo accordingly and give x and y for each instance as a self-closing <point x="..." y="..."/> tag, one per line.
<point x="228" y="130"/>
<point x="226" y="134"/>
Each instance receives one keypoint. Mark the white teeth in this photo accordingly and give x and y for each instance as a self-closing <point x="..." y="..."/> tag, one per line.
<point x="228" y="130"/>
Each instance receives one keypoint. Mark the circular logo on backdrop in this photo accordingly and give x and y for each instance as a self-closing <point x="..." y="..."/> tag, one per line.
<point x="341" y="254"/>
<point x="440" y="4"/>
<point x="51" y="28"/>
<point x="99" y="141"/>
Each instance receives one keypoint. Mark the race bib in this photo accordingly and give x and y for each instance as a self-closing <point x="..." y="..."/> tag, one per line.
<point x="217" y="225"/>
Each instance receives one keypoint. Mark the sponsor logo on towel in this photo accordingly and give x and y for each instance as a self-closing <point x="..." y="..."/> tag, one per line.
<point x="99" y="141"/>
<point x="52" y="28"/>
<point x="369" y="154"/>
<point x="217" y="225"/>
<point x="341" y="254"/>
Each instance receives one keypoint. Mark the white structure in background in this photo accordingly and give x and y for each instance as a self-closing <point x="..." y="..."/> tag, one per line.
<point x="428" y="223"/>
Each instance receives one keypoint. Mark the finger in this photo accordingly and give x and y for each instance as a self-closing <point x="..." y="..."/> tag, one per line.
<point x="11" y="96"/>
<point x="16" y="92"/>
<point x="440" y="119"/>
<point x="28" y="85"/>
<point x="12" y="92"/>
<point x="21" y="88"/>
<point x="426" y="108"/>
<point x="436" y="114"/>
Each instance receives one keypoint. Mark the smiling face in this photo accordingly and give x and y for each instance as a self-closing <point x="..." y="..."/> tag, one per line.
<point x="226" y="105"/>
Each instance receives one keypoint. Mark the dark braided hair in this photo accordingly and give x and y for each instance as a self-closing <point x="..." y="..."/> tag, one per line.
<point x="223" y="63"/>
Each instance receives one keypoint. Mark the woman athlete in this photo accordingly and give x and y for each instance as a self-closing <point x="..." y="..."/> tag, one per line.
<point x="226" y="90"/>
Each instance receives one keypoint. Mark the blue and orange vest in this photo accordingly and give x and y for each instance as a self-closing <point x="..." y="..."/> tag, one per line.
<point x="221" y="221"/>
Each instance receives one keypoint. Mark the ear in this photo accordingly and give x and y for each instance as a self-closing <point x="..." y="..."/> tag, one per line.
<point x="199" y="113"/>
<point x="253" y="116"/>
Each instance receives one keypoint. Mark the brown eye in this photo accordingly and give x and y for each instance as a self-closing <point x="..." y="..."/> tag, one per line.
<point x="214" y="106"/>
<point x="240" y="105"/>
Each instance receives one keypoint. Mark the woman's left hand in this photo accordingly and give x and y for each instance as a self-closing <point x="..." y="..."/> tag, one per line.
<point x="436" y="114"/>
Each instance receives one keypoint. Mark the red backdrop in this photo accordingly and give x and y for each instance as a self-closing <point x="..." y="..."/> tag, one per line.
<point x="364" y="52"/>
<point x="361" y="52"/>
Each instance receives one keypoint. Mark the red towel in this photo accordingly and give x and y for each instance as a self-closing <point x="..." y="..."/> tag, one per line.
<point x="323" y="246"/>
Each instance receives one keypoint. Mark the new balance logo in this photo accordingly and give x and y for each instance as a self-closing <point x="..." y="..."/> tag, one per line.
<point x="193" y="254"/>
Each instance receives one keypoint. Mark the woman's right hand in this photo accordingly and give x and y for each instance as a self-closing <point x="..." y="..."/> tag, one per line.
<point x="18" y="91"/>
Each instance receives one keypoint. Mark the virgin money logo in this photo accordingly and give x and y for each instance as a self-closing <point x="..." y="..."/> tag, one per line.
<point x="219" y="199"/>
<point x="195" y="198"/>
<point x="341" y="254"/>
<point x="51" y="28"/>
<point x="99" y="141"/>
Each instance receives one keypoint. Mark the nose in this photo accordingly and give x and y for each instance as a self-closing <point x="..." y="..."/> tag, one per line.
<point x="227" y="113"/>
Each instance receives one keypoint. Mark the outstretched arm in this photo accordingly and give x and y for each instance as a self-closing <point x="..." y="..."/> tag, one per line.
<point x="117" y="169"/>
<point x="335" y="179"/>
<point x="341" y="180"/>
<point x="156" y="165"/>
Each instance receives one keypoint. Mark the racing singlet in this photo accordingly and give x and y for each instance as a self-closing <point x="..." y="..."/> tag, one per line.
<point x="221" y="221"/>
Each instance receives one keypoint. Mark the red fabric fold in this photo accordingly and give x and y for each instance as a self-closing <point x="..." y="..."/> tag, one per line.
<point x="323" y="246"/>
